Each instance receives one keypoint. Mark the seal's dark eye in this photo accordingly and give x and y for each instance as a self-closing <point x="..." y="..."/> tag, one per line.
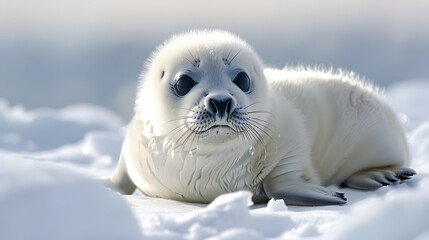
<point x="183" y="85"/>
<point x="242" y="81"/>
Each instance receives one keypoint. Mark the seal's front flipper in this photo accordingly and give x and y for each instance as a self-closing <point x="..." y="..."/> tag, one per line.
<point x="120" y="179"/>
<point x="372" y="179"/>
<point x="306" y="195"/>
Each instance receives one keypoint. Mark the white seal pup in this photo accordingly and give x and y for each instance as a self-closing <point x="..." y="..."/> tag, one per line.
<point x="210" y="120"/>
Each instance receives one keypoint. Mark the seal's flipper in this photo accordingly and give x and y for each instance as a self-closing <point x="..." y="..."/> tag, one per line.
<point x="307" y="195"/>
<point x="120" y="178"/>
<point x="372" y="179"/>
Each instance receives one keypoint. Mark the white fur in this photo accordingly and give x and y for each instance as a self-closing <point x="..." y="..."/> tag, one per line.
<point x="349" y="125"/>
<point x="315" y="128"/>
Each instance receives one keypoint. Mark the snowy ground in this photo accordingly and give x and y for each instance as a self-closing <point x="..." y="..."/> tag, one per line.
<point x="49" y="157"/>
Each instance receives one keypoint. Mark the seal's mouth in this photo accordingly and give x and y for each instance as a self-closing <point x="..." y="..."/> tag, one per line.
<point x="218" y="129"/>
<point x="218" y="133"/>
<point x="221" y="128"/>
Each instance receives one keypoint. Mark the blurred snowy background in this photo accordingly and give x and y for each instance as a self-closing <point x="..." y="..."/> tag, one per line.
<point x="57" y="53"/>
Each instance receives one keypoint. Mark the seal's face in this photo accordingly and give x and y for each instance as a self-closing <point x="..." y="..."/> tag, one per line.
<point x="205" y="91"/>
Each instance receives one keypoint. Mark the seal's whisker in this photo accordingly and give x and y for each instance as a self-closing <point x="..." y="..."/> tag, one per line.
<point x="252" y="112"/>
<point x="194" y="133"/>
<point x="232" y="59"/>
<point x="195" y="59"/>
<point x="247" y="136"/>
<point x="229" y="53"/>
<point x="179" y="142"/>
<point x="255" y="134"/>
<point x="176" y="130"/>
<point x="187" y="109"/>
<point x="241" y="136"/>
<point x="260" y="122"/>
<point x="197" y="135"/>
<point x="185" y="141"/>
<point x="262" y="130"/>
<point x="190" y="139"/>
<point x="263" y="121"/>
<point x="187" y="133"/>
<point x="259" y="137"/>
<point x="198" y="139"/>
<point x="252" y="104"/>
<point x="176" y="119"/>
<point x="193" y="64"/>
<point x="263" y="141"/>
<point x="179" y="127"/>
<point x="262" y="125"/>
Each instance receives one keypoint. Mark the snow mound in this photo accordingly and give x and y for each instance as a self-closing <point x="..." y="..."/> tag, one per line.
<point x="227" y="217"/>
<point x="44" y="201"/>
<point x="399" y="215"/>
<point x="276" y="205"/>
<point x="83" y="136"/>
<point x="47" y="129"/>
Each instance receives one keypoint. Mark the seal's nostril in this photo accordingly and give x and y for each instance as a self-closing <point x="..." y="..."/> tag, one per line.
<point x="220" y="107"/>
<point x="213" y="106"/>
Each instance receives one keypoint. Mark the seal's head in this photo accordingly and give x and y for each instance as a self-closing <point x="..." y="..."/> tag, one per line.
<point x="204" y="88"/>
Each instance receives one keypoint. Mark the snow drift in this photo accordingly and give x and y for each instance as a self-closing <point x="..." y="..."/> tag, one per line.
<point x="45" y="201"/>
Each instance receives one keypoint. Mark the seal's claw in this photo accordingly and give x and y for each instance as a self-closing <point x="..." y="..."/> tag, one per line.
<point x="405" y="173"/>
<point x="374" y="178"/>
<point x="340" y="195"/>
<point x="391" y="177"/>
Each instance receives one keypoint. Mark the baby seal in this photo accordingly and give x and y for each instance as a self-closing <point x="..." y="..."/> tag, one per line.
<point x="209" y="119"/>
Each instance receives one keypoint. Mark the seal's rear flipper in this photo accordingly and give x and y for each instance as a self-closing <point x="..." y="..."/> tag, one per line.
<point x="120" y="179"/>
<point x="374" y="178"/>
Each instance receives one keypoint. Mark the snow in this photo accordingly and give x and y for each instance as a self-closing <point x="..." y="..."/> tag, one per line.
<point x="46" y="201"/>
<point x="49" y="159"/>
<point x="275" y="205"/>
<point x="398" y="215"/>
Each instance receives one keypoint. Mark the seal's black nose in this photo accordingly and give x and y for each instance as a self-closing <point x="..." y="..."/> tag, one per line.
<point x="220" y="107"/>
